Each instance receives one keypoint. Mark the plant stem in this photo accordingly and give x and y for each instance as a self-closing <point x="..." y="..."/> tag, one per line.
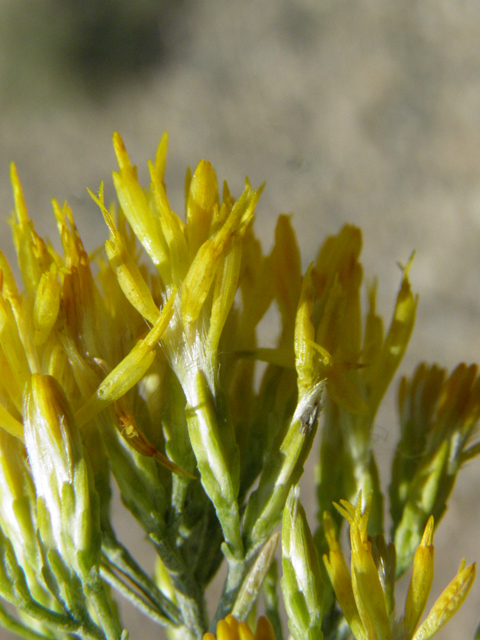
<point x="107" y="619"/>
<point x="189" y="595"/>
<point x="116" y="556"/>
<point x="19" y="628"/>
<point x="138" y="602"/>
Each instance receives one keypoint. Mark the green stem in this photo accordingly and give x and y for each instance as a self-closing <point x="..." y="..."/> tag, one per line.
<point x="190" y="597"/>
<point x="66" y="623"/>
<point x="118" y="557"/>
<point x="95" y="591"/>
<point x="283" y="469"/>
<point x="138" y="602"/>
<point x="19" y="628"/>
<point x="213" y="442"/>
<point x="270" y="595"/>
<point x="237" y="572"/>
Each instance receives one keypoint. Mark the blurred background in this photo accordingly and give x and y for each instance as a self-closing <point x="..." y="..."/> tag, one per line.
<point x="364" y="112"/>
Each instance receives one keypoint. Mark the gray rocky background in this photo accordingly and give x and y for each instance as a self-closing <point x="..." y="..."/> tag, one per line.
<point x="364" y="112"/>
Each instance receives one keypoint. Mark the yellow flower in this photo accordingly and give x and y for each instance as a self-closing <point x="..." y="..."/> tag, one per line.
<point x="109" y="337"/>
<point x="107" y="364"/>
<point x="201" y="258"/>
<point x="63" y="326"/>
<point x="365" y="593"/>
<point x="231" y="629"/>
<point x="364" y="359"/>
<point x="105" y="335"/>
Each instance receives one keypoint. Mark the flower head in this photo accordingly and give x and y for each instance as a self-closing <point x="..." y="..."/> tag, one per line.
<point x="365" y="594"/>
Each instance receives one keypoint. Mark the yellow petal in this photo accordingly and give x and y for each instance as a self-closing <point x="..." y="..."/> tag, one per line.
<point x="244" y="632"/>
<point x="367" y="588"/>
<point x="126" y="269"/>
<point x="421" y="582"/>
<point x="161" y="157"/>
<point x="10" y="424"/>
<point x="134" y="203"/>
<point x="174" y="230"/>
<point x="46" y="305"/>
<point x="232" y="622"/>
<point x="341" y="581"/>
<point x="226" y="631"/>
<point x="344" y="392"/>
<point x="13" y="350"/>
<point x="338" y="256"/>
<point x="8" y="284"/>
<point x="287" y="270"/>
<point x="198" y="281"/>
<point x="33" y="256"/>
<point x="373" y="338"/>
<point x="264" y="629"/>
<point x="304" y="336"/>
<point x="448" y="603"/>
<point x="396" y="340"/>
<point x="226" y="284"/>
<point x="129" y="371"/>
<point x="203" y="269"/>
<point x="202" y="197"/>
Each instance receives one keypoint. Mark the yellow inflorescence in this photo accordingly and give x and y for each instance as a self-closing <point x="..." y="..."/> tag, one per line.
<point x="81" y="329"/>
<point x="109" y="365"/>
<point x="362" y="595"/>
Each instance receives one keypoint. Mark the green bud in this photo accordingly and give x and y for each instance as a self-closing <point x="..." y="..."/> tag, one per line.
<point x="302" y="584"/>
<point x="67" y="503"/>
<point x="217" y="461"/>
<point x="253" y="582"/>
<point x="61" y="474"/>
<point x="18" y="517"/>
<point x="282" y="469"/>
<point x="17" y="514"/>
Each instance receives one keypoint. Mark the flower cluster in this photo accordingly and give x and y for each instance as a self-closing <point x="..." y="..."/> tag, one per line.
<point x="366" y="596"/>
<point x="140" y="364"/>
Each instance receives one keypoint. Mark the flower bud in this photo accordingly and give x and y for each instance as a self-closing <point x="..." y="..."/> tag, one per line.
<point x="302" y="581"/>
<point x="61" y="475"/>
<point x="17" y="518"/>
<point x="255" y="578"/>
